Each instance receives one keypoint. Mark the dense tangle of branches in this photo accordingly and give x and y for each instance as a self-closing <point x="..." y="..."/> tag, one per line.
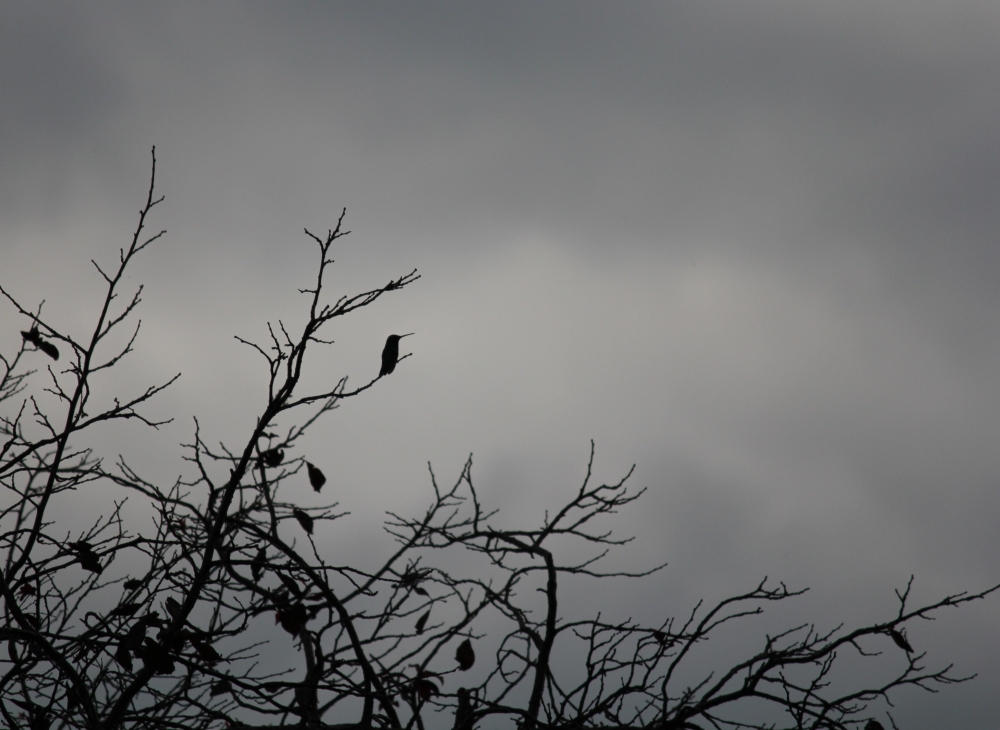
<point x="163" y="622"/>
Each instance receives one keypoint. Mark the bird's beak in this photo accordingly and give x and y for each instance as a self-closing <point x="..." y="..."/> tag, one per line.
<point x="407" y="335"/>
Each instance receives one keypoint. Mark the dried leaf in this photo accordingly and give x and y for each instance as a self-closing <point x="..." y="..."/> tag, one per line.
<point x="305" y="520"/>
<point x="123" y="657"/>
<point x="272" y="457"/>
<point x="465" y="656"/>
<point x="463" y="713"/>
<point x="257" y="564"/>
<point x="173" y="607"/>
<point x="49" y="349"/>
<point x="31" y="336"/>
<point x="89" y="561"/>
<point x="901" y="641"/>
<point x="133" y="639"/>
<point x="422" y="622"/>
<point x="126" y="609"/>
<point x="156" y="658"/>
<point x="425" y="688"/>
<point x="221" y="687"/>
<point x="290" y="583"/>
<point x="292" y="618"/>
<point x="663" y="639"/>
<point x="316" y="478"/>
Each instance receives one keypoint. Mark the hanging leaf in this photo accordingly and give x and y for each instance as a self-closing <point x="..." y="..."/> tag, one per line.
<point x="126" y="609"/>
<point x="305" y="520"/>
<point x="291" y="585"/>
<point x="422" y="622"/>
<point x="207" y="652"/>
<point x="257" y="564"/>
<point x="425" y="688"/>
<point x="663" y="639"/>
<point x="465" y="656"/>
<point x="173" y="607"/>
<point x="316" y="478"/>
<point x="221" y="687"/>
<point x="463" y="713"/>
<point x="133" y="639"/>
<point x="156" y="658"/>
<point x="89" y="561"/>
<point x="272" y="457"/>
<point x="292" y="618"/>
<point x="123" y="657"/>
<point x="901" y="641"/>
<point x="49" y="349"/>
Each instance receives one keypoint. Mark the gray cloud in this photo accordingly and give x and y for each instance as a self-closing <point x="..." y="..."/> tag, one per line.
<point x="749" y="247"/>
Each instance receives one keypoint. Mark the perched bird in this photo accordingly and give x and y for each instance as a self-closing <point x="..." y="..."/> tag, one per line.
<point x="874" y="725"/>
<point x="465" y="656"/>
<point x="901" y="641"/>
<point x="390" y="353"/>
<point x="316" y="478"/>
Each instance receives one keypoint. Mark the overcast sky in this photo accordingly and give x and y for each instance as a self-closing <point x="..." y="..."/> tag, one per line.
<point x="750" y="247"/>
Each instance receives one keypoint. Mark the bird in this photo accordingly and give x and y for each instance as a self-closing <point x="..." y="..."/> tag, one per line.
<point x="390" y="353"/>
<point x="874" y="725"/>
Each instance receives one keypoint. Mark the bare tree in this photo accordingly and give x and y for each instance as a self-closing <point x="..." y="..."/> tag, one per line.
<point x="460" y="626"/>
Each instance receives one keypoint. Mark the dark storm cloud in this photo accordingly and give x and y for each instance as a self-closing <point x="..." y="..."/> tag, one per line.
<point x="751" y="247"/>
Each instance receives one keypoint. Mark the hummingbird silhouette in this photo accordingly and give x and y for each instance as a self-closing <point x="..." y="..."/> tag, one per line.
<point x="390" y="353"/>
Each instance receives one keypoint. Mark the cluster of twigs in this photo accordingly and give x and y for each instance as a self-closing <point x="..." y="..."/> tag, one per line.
<point x="164" y="623"/>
